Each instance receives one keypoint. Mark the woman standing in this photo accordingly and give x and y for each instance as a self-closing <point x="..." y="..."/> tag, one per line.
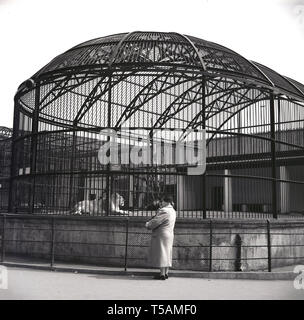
<point x="162" y="226"/>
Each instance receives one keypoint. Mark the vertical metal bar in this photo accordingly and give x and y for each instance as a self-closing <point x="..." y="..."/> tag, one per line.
<point x="14" y="155"/>
<point x="73" y="154"/>
<point x="154" y="168"/>
<point x="281" y="201"/>
<point x="34" y="139"/>
<point x="273" y="157"/>
<point x="210" y="245"/>
<point x="204" y="127"/>
<point x="269" y="245"/>
<point x="126" y="247"/>
<point x="239" y="138"/>
<point x="108" y="178"/>
<point x="3" y="238"/>
<point x="53" y="242"/>
<point x="279" y="121"/>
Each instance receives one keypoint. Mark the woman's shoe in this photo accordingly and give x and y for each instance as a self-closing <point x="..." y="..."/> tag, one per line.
<point x="166" y="276"/>
<point x="159" y="277"/>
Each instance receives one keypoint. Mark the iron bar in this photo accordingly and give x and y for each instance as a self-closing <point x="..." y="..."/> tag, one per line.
<point x="268" y="246"/>
<point x="117" y="172"/>
<point x="91" y="98"/>
<point x="3" y="238"/>
<point x="53" y="242"/>
<point x="210" y="244"/>
<point x="72" y="169"/>
<point x="34" y="144"/>
<point x="279" y="122"/>
<point x="14" y="155"/>
<point x="233" y="115"/>
<point x="273" y="157"/>
<point x="144" y="92"/>
<point x="226" y="131"/>
<point x="108" y="174"/>
<point x="204" y="128"/>
<point x="126" y="246"/>
<point x="62" y="90"/>
<point x="179" y="102"/>
<point x="94" y="96"/>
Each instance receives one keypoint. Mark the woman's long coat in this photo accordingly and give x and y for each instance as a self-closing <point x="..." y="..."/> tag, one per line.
<point x="162" y="226"/>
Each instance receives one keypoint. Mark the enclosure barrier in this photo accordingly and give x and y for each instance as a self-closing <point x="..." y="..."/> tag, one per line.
<point x="172" y="102"/>
<point x="205" y="245"/>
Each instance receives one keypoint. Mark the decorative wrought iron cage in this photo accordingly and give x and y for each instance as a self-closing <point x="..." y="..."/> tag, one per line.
<point x="145" y="83"/>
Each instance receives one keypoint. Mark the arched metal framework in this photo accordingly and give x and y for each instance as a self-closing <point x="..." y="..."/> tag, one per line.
<point x="152" y="81"/>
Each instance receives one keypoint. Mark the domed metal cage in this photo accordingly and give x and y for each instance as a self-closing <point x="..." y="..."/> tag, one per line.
<point x="144" y="88"/>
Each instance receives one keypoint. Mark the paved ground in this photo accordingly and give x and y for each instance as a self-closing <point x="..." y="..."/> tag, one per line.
<point x="37" y="284"/>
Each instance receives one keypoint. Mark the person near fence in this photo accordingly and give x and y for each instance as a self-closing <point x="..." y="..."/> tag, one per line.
<point x="162" y="226"/>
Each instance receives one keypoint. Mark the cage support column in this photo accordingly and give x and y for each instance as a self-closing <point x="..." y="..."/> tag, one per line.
<point x="34" y="140"/>
<point x="273" y="158"/>
<point x="284" y="200"/>
<point x="269" y="246"/>
<point x="204" y="128"/>
<point x="108" y="178"/>
<point x="3" y="238"/>
<point x="72" y="164"/>
<point x="14" y="155"/>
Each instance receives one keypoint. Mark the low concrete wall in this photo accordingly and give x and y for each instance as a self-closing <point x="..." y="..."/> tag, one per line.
<point x="103" y="241"/>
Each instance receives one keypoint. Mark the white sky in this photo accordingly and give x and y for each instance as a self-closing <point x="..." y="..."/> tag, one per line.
<point x="35" y="31"/>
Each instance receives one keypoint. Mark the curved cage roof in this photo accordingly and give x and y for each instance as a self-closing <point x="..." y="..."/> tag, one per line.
<point x="168" y="49"/>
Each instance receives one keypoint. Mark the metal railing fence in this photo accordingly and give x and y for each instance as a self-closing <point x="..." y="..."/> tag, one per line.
<point x="124" y="243"/>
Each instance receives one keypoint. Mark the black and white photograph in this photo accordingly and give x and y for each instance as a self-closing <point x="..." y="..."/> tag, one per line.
<point x="152" y="152"/>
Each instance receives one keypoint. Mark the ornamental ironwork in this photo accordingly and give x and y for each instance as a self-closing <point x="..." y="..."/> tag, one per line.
<point x="155" y="83"/>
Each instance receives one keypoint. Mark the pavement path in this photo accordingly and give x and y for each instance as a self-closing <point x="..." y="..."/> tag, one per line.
<point x="45" y="285"/>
